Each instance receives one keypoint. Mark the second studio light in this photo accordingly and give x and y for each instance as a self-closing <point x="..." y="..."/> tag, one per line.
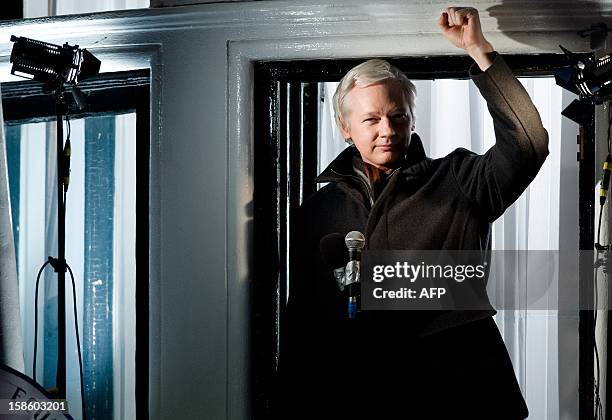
<point x="590" y="78"/>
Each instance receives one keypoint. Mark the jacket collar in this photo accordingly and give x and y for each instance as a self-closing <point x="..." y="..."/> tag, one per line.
<point x="342" y="165"/>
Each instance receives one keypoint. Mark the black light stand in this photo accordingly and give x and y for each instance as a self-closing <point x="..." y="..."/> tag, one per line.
<point x="55" y="66"/>
<point x="590" y="77"/>
<point x="60" y="264"/>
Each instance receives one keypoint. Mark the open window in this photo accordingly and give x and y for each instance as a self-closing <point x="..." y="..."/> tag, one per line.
<point x="295" y="139"/>
<point x="107" y="227"/>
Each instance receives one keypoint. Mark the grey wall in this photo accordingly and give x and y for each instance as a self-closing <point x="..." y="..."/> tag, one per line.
<point x="202" y="160"/>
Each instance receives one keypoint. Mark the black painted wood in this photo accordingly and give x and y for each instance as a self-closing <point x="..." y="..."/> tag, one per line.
<point x="107" y="93"/>
<point x="286" y="126"/>
<point x="310" y="133"/>
<point x="415" y="67"/>
<point x="265" y="300"/>
<point x="586" y="224"/>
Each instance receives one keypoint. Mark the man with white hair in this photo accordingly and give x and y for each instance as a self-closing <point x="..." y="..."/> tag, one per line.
<point x="408" y="364"/>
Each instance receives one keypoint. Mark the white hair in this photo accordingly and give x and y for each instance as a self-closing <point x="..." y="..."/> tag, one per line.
<point x="369" y="73"/>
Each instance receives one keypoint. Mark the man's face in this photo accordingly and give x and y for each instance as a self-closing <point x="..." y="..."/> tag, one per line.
<point x="379" y="123"/>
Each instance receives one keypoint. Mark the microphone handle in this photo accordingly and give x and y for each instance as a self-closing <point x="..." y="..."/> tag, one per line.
<point x="354" y="254"/>
<point x="353" y="304"/>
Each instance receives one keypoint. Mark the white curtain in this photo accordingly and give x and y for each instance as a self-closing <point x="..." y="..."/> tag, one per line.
<point x="451" y="114"/>
<point x="11" y="346"/>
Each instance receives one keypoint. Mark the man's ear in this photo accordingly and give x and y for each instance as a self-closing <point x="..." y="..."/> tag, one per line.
<point x="344" y="129"/>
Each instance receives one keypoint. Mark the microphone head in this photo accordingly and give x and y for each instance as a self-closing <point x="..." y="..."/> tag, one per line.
<point x="333" y="251"/>
<point x="355" y="240"/>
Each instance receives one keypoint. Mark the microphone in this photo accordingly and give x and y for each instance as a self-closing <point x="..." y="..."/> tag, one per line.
<point x="355" y="242"/>
<point x="334" y="255"/>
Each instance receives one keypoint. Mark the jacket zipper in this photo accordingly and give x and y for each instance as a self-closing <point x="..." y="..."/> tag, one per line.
<point x="369" y="220"/>
<point x="370" y="196"/>
<point x="388" y="181"/>
<point x="368" y="189"/>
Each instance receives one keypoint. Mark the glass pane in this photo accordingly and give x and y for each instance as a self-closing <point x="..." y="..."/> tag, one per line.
<point x="100" y="249"/>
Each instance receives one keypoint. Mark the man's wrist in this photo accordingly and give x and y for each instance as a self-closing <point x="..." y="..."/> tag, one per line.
<point x="481" y="54"/>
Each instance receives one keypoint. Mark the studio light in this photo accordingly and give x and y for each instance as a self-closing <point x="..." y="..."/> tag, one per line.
<point x="590" y="78"/>
<point x="51" y="64"/>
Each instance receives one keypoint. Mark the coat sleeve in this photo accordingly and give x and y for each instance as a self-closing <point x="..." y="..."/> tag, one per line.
<point x="495" y="180"/>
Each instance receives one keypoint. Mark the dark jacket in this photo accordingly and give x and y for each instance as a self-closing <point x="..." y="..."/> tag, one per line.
<point x="426" y="204"/>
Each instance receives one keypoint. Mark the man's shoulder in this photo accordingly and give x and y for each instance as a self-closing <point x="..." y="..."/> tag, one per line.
<point x="460" y="152"/>
<point x="458" y="156"/>
<point x="454" y="157"/>
<point x="440" y="167"/>
<point x="323" y="194"/>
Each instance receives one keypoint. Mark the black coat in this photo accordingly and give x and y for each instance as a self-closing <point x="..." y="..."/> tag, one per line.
<point x="396" y="364"/>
